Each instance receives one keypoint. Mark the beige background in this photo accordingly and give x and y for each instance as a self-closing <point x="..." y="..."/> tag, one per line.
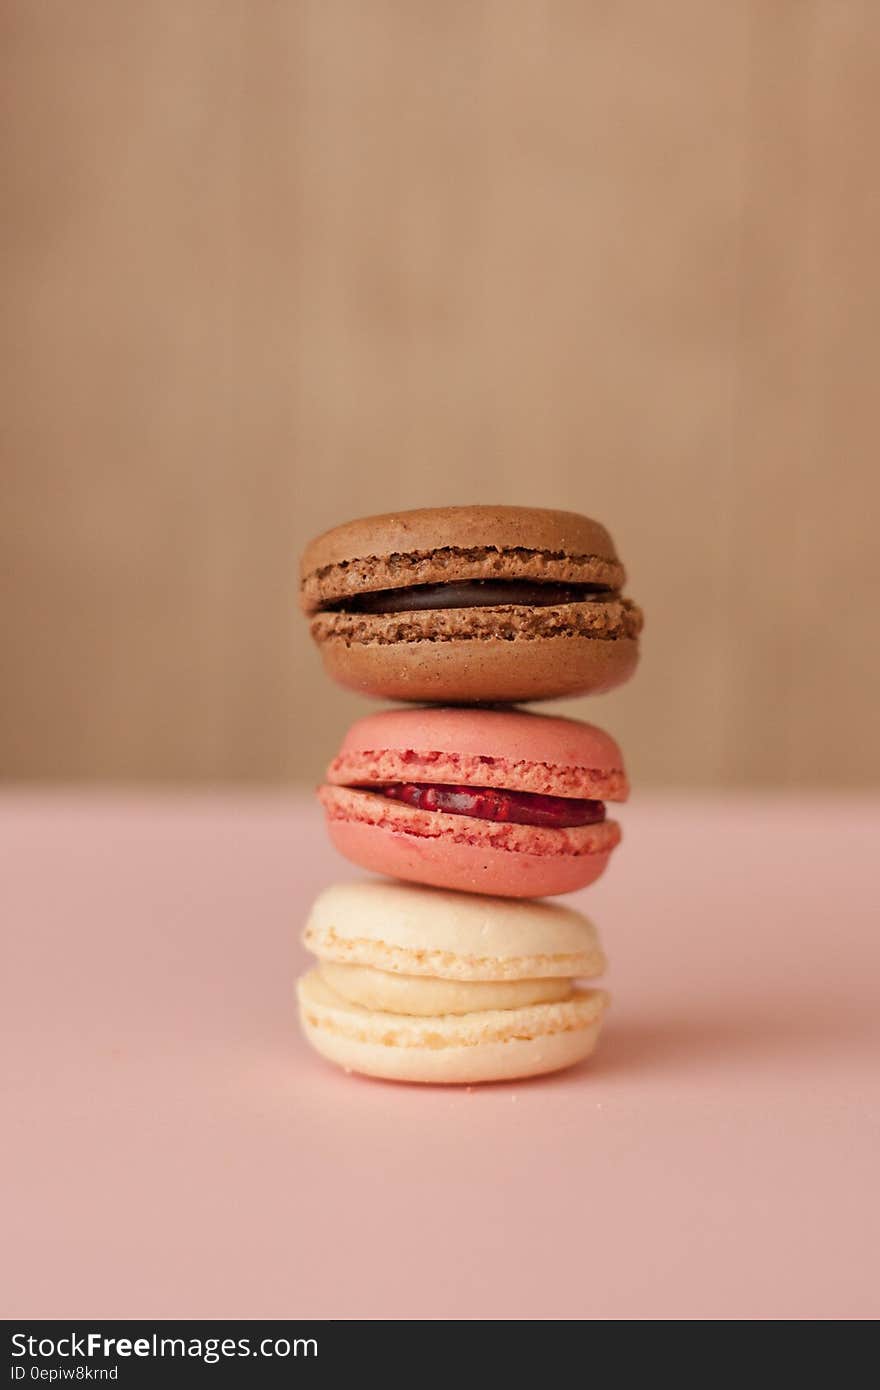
<point x="271" y="265"/>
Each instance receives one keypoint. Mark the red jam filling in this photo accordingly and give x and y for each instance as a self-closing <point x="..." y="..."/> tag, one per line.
<point x="492" y="803"/>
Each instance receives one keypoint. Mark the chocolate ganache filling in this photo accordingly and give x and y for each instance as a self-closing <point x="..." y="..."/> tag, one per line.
<point x="473" y="593"/>
<point x="495" y="804"/>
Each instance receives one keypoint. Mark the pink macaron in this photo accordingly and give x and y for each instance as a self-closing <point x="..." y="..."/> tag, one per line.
<point x="482" y="800"/>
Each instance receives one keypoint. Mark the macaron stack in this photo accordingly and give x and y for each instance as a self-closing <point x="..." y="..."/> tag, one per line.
<point x="453" y="968"/>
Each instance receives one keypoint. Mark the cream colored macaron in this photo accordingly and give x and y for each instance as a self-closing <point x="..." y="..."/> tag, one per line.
<point x="417" y="984"/>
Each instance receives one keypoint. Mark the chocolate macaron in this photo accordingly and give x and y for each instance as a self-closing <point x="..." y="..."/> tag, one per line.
<point x="462" y="605"/>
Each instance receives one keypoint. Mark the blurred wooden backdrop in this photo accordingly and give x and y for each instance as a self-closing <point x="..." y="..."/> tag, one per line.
<point x="271" y="265"/>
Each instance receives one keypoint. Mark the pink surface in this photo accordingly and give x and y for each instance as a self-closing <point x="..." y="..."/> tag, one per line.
<point x="473" y="866"/>
<point x="171" y="1148"/>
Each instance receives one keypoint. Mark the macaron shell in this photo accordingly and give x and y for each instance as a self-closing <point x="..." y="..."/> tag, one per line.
<point x="494" y="1045"/>
<point x="454" y="936"/>
<point x="512" y="749"/>
<point x="438" y="533"/>
<point x="470" y="867"/>
<point x="509" y="1061"/>
<point x="488" y="669"/>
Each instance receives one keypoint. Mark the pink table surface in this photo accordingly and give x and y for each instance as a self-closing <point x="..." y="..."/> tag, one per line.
<point x="172" y="1149"/>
